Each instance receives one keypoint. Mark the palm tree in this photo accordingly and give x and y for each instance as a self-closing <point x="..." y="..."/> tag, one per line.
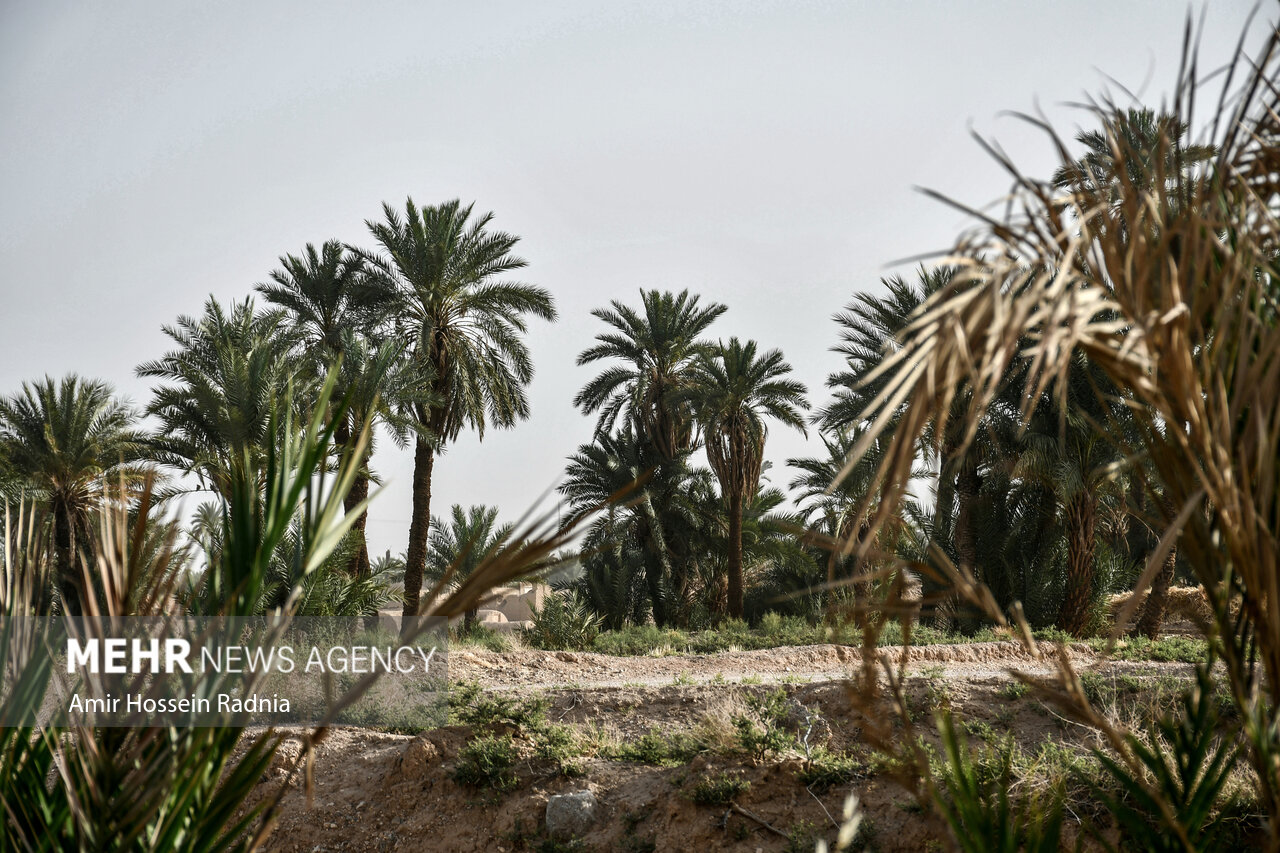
<point x="331" y="309"/>
<point x="443" y="273"/>
<point x="870" y="329"/>
<point x="1137" y="155"/>
<point x="659" y="349"/>
<point x="1066" y="451"/>
<point x="462" y="542"/>
<point x="325" y="295"/>
<point x="733" y="391"/>
<point x="224" y="383"/>
<point x="612" y="465"/>
<point x="1136" y="151"/>
<point x="71" y="441"/>
<point x="828" y="498"/>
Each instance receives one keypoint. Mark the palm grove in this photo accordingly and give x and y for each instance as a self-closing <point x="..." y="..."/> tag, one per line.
<point x="422" y="333"/>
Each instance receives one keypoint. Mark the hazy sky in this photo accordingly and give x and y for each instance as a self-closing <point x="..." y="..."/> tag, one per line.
<point x="761" y="154"/>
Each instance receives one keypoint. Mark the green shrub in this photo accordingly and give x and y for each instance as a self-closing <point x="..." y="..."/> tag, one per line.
<point x="640" y="640"/>
<point x="718" y="789"/>
<point x="802" y="838"/>
<point x="826" y="769"/>
<point x="479" y="635"/>
<point x="978" y="800"/>
<point x="559" y="745"/>
<point x="563" y="622"/>
<point x="471" y="706"/>
<point x="663" y="750"/>
<point x="487" y="762"/>
<point x="763" y="731"/>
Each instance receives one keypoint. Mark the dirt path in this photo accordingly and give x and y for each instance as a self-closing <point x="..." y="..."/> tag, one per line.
<point x="570" y="670"/>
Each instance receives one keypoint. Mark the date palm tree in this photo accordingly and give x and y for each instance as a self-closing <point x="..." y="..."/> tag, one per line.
<point x="70" y="441"/>
<point x="445" y="276"/>
<point x="222" y="386"/>
<point x="331" y="309"/>
<point x="869" y="329"/>
<point x="1137" y="154"/>
<point x="658" y="347"/>
<point x="608" y="467"/>
<point x="652" y="353"/>
<point x="733" y="392"/>
<point x="462" y="542"/>
<point x="1136" y="151"/>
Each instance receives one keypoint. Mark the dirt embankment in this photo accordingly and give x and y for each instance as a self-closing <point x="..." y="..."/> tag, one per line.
<point x="375" y="791"/>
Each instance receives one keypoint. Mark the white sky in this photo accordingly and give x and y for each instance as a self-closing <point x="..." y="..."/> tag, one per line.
<point x="761" y="154"/>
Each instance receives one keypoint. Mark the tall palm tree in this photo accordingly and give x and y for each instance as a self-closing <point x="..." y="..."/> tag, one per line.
<point x="1138" y="155"/>
<point x="331" y="309"/>
<point x="325" y="295"/>
<point x="444" y="274"/>
<point x="70" y="440"/>
<point x="1066" y="451"/>
<point x="222" y="386"/>
<point x="654" y="351"/>
<point x="828" y="498"/>
<point x="870" y="329"/>
<point x="733" y="392"/>
<point x="659" y="348"/>
<point x="462" y="542"/>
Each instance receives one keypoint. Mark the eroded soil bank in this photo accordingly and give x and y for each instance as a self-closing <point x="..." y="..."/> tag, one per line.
<point x="376" y="791"/>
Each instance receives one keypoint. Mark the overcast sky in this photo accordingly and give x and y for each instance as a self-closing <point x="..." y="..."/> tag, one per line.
<point x="762" y="154"/>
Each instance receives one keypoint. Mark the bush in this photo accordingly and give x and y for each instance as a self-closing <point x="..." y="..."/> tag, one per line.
<point x="473" y="707"/>
<point x="827" y="769"/>
<point x="718" y="789"/>
<point x="487" y="762"/>
<point x="660" y="749"/>
<point x="763" y="731"/>
<point x="564" y="622"/>
<point x="479" y="635"/>
<point x="559" y="745"/>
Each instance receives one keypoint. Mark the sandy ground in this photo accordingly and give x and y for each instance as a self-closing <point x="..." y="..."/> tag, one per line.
<point x="375" y="791"/>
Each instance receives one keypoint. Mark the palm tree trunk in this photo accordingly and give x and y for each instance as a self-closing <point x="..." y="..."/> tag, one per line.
<point x="656" y="564"/>
<point x="358" y="567"/>
<point x="1081" y="517"/>
<point x="419" y="527"/>
<point x="1152" y="618"/>
<point x="735" y="554"/>
<point x="64" y="551"/>
<point x="968" y="487"/>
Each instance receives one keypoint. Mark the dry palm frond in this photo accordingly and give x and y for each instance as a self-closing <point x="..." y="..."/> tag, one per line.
<point x="1179" y="308"/>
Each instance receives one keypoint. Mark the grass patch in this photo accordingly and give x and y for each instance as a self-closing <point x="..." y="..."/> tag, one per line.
<point x="826" y="769"/>
<point x="1163" y="649"/>
<point x="718" y="789"/>
<point x="480" y="637"/>
<point x="659" y="748"/>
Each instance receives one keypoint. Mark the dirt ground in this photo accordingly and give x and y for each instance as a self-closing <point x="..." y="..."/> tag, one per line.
<point x="376" y="791"/>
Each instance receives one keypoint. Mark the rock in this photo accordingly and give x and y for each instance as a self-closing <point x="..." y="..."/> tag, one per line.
<point x="490" y="617"/>
<point x="570" y="815"/>
<point x="418" y="757"/>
